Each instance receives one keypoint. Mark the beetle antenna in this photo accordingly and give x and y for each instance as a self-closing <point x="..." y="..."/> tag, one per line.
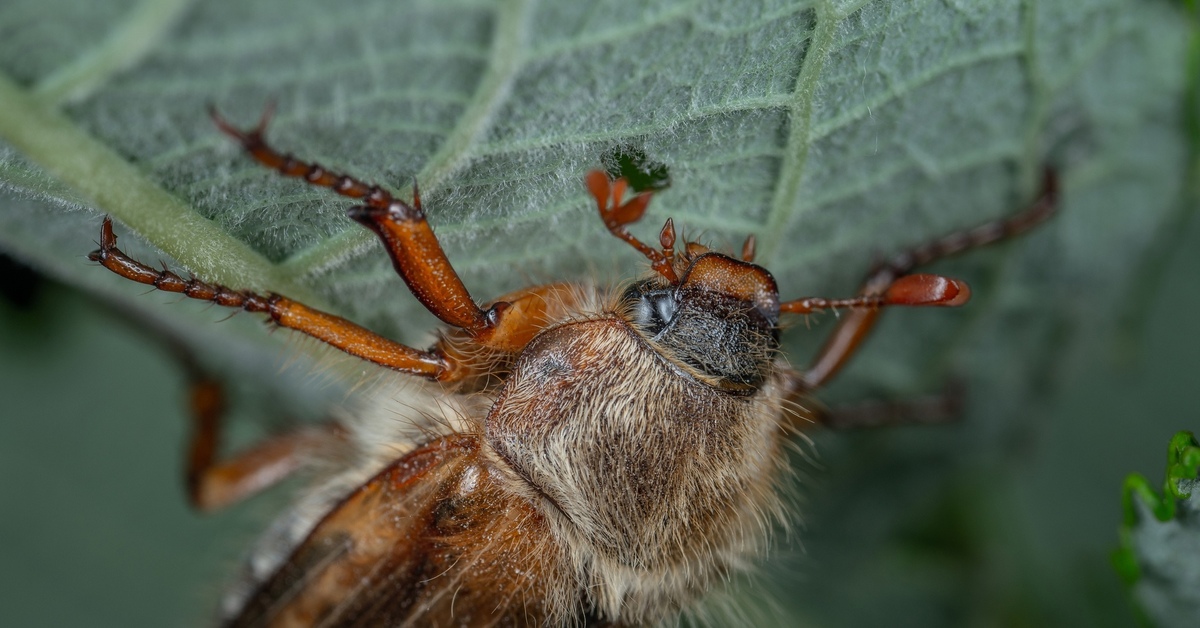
<point x="912" y="290"/>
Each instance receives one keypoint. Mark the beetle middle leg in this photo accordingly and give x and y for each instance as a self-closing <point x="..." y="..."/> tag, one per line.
<point x="857" y="323"/>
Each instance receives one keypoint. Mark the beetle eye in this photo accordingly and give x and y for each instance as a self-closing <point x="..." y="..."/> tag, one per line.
<point x="653" y="310"/>
<point x="664" y="306"/>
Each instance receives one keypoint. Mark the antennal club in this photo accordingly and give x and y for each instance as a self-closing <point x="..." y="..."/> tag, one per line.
<point x="912" y="290"/>
<point x="666" y="238"/>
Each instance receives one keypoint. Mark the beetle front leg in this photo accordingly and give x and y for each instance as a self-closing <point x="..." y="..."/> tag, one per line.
<point x="333" y="330"/>
<point x="407" y="236"/>
<point x="418" y="258"/>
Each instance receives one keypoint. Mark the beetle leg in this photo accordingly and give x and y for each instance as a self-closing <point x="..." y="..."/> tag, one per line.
<point x="854" y="326"/>
<point x="415" y="251"/>
<point x="213" y="484"/>
<point x="945" y="406"/>
<point x="336" y="331"/>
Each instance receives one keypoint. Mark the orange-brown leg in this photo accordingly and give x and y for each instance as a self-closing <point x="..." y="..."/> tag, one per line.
<point x="891" y="284"/>
<point x="415" y="251"/>
<point x="331" y="329"/>
<point x="214" y="483"/>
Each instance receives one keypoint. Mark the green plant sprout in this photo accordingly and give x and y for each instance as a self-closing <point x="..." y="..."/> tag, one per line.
<point x="1183" y="462"/>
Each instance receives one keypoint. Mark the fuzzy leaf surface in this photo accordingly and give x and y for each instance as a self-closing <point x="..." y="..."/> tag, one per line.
<point x="836" y="131"/>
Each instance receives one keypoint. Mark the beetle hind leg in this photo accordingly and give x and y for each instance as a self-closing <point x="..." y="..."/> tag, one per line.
<point x="214" y="482"/>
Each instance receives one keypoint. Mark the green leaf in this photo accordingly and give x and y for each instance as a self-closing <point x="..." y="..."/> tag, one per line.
<point x="834" y="131"/>
<point x="1160" y="538"/>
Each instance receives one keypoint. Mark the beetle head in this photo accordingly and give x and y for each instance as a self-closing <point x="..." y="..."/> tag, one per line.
<point x="720" y="318"/>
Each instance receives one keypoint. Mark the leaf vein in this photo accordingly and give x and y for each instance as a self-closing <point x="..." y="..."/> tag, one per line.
<point x="505" y="60"/>
<point x="124" y="47"/>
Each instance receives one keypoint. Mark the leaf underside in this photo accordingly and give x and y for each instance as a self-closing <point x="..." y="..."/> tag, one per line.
<point x="835" y="132"/>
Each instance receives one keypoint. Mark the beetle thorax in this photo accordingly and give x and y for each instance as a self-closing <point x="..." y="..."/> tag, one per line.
<point x="651" y="476"/>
